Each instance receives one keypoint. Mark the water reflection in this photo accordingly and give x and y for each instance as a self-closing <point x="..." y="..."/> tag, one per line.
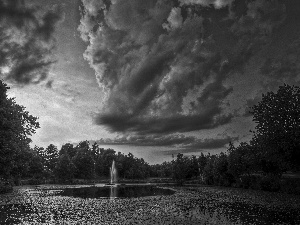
<point x="113" y="192"/>
<point x="116" y="191"/>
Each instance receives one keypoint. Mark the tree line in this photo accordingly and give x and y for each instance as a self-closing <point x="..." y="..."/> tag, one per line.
<point x="273" y="150"/>
<point x="83" y="162"/>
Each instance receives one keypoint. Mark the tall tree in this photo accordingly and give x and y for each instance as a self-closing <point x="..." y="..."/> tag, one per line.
<point x="181" y="168"/>
<point x="83" y="161"/>
<point x="64" y="169"/>
<point x="242" y="160"/>
<point x="104" y="161"/>
<point x="36" y="163"/>
<point x="69" y="149"/>
<point x="16" y="125"/>
<point x="277" y="118"/>
<point x="51" y="153"/>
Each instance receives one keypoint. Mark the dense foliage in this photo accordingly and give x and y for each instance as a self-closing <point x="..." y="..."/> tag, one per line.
<point x="273" y="150"/>
<point x="277" y="133"/>
<point x="82" y="162"/>
<point x="16" y="125"/>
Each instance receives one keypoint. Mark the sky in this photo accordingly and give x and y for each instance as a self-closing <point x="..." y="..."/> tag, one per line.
<point x="155" y="78"/>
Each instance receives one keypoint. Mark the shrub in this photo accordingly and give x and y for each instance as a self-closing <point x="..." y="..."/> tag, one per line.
<point x="248" y="182"/>
<point x="269" y="183"/>
<point x="35" y="181"/>
<point x="290" y="186"/>
<point x="5" y="186"/>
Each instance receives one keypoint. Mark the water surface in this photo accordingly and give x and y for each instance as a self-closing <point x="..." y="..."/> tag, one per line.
<point x="122" y="191"/>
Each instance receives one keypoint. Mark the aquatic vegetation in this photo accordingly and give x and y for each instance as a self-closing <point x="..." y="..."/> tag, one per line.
<point x="193" y="205"/>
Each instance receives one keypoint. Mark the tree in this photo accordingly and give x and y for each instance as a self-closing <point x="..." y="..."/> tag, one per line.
<point x="104" y="161"/>
<point x="36" y="163"/>
<point x="69" y="149"/>
<point x="64" y="169"/>
<point x="220" y="170"/>
<point x="208" y="170"/>
<point x="181" y="168"/>
<point x="202" y="160"/>
<point x="194" y="167"/>
<point x="95" y="150"/>
<point x="16" y="125"/>
<point x="83" y="161"/>
<point x="277" y="118"/>
<point x="242" y="160"/>
<point x="51" y="155"/>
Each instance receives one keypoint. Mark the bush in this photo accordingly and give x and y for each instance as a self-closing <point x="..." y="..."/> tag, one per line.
<point x="269" y="183"/>
<point x="226" y="180"/>
<point x="248" y="182"/>
<point x="35" y="181"/>
<point x="290" y="186"/>
<point x="5" y="186"/>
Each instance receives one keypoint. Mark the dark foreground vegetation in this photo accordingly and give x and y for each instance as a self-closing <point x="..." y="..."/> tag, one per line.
<point x="260" y="164"/>
<point x="189" y="205"/>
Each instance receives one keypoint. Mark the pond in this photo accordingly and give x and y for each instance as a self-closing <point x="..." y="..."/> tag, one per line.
<point x="118" y="191"/>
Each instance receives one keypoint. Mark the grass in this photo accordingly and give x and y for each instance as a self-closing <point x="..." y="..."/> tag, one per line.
<point x="189" y="205"/>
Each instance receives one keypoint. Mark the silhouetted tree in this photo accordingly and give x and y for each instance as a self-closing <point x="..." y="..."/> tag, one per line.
<point x="221" y="176"/>
<point x="64" y="169"/>
<point x="202" y="160"/>
<point x="69" y="149"/>
<point x="83" y="161"/>
<point x="16" y="125"/>
<point x="51" y="155"/>
<point x="36" y="163"/>
<point x="194" y="167"/>
<point x="181" y="168"/>
<point x="242" y="160"/>
<point x="104" y="161"/>
<point x="277" y="133"/>
<point x="208" y="171"/>
<point x="95" y="151"/>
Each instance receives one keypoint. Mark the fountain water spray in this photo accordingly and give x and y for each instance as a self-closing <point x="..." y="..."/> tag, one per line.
<point x="113" y="173"/>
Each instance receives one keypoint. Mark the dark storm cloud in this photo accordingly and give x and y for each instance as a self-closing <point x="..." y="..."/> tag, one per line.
<point x="164" y="125"/>
<point x="163" y="65"/>
<point x="149" y="140"/>
<point x="283" y="67"/>
<point x="281" y="58"/>
<point x="26" y="41"/>
<point x="180" y="141"/>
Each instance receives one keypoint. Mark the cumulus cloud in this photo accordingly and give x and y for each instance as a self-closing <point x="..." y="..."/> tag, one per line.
<point x="174" y="19"/>
<point x="163" y="66"/>
<point x="26" y="41"/>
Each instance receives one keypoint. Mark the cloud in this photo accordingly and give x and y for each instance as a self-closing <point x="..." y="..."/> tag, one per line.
<point x="180" y="141"/>
<point x="163" y="125"/>
<point x="250" y="103"/>
<point x="163" y="67"/>
<point x="216" y="3"/>
<point x="26" y="41"/>
<point x="282" y="68"/>
<point x="174" y="20"/>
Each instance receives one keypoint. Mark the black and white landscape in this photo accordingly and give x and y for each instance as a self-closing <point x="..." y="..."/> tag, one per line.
<point x="149" y="111"/>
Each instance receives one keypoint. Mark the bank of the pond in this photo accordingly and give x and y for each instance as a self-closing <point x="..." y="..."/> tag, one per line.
<point x="189" y="205"/>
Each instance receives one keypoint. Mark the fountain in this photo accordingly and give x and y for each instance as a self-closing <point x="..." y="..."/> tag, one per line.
<point x="113" y="180"/>
<point x="113" y="173"/>
<point x="114" y="190"/>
